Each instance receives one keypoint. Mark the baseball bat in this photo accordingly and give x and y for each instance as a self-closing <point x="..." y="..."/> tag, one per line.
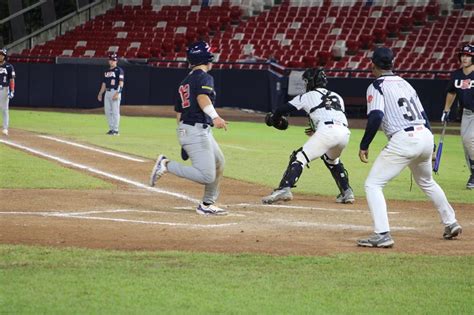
<point x="439" y="152"/>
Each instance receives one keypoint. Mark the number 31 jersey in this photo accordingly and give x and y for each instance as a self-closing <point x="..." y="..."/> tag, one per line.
<point x="398" y="100"/>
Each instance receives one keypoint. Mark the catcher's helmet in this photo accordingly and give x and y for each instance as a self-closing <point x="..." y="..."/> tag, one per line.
<point x="199" y="53"/>
<point x="467" y="49"/>
<point x="113" y="56"/>
<point x="3" y="52"/>
<point x="383" y="58"/>
<point x="314" y="78"/>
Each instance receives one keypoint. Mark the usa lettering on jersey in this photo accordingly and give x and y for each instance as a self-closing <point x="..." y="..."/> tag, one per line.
<point x="110" y="74"/>
<point x="464" y="84"/>
<point x="3" y="71"/>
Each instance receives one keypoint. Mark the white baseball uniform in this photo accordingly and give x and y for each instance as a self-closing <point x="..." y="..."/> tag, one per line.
<point x="332" y="134"/>
<point x="410" y="144"/>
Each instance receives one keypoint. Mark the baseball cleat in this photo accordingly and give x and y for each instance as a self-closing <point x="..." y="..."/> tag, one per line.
<point x="115" y="133"/>
<point x="5" y="132"/>
<point x="159" y="169"/>
<point x="470" y="182"/>
<point x="377" y="240"/>
<point x="451" y="231"/>
<point x="283" y="194"/>
<point x="346" y="197"/>
<point x="202" y="209"/>
<point x="110" y="133"/>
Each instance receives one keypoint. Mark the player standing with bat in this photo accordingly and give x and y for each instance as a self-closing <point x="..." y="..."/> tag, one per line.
<point x="393" y="103"/>
<point x="462" y="85"/>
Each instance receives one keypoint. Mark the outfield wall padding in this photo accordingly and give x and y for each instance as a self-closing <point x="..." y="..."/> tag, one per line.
<point x="77" y="85"/>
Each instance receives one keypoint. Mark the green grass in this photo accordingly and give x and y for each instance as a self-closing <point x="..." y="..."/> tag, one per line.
<point x="22" y="170"/>
<point x="254" y="152"/>
<point x="77" y="281"/>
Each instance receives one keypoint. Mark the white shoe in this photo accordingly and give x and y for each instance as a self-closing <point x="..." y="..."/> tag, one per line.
<point x="346" y="197"/>
<point x="159" y="169"/>
<point x="5" y="132"/>
<point x="210" y="210"/>
<point x="283" y="194"/>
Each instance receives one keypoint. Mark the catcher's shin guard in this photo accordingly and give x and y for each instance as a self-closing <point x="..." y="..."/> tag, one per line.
<point x="338" y="172"/>
<point x="293" y="171"/>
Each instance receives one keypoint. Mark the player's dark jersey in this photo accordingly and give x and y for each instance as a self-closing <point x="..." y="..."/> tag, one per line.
<point x="463" y="86"/>
<point x="112" y="77"/>
<point x="197" y="82"/>
<point x="7" y="72"/>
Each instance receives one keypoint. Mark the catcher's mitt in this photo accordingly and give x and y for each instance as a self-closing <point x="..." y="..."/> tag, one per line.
<point x="280" y="123"/>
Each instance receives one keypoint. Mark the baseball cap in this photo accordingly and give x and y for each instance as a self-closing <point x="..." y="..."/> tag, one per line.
<point x="383" y="58"/>
<point x="113" y="56"/>
<point x="3" y="51"/>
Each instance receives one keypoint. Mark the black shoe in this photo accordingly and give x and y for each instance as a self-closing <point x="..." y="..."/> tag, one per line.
<point x="115" y="133"/>
<point x="110" y="132"/>
<point x="470" y="182"/>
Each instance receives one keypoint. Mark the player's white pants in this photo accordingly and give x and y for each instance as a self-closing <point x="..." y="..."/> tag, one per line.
<point x="206" y="157"/>
<point x="328" y="139"/>
<point x="467" y="135"/>
<point x="112" y="110"/>
<point x="412" y="149"/>
<point x="4" y="101"/>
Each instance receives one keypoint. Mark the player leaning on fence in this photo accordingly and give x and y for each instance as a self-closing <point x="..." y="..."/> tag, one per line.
<point x="7" y="88"/>
<point x="393" y="103"/>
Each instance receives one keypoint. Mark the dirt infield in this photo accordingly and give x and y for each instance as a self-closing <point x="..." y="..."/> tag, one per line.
<point x="135" y="217"/>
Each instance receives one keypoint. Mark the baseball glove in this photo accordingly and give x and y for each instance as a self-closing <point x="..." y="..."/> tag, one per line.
<point x="280" y="123"/>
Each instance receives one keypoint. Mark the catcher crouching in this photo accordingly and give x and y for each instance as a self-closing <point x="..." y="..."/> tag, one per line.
<point x="328" y="136"/>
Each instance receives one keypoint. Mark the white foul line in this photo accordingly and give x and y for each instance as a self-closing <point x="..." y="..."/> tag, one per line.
<point x="126" y="157"/>
<point x="79" y="215"/>
<point x="305" y="208"/>
<point x="99" y="172"/>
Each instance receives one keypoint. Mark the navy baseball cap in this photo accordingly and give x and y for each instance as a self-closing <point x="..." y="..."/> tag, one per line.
<point x="383" y="58"/>
<point x="3" y="51"/>
<point x="113" y="57"/>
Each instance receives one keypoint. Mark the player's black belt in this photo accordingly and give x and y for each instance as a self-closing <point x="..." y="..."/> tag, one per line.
<point x="330" y="122"/>
<point x="193" y="123"/>
<point x="412" y="128"/>
<point x="111" y="90"/>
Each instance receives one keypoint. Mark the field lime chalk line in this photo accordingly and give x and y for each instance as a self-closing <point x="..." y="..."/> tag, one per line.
<point x="82" y="146"/>
<point x="87" y="215"/>
<point x="80" y="215"/>
<point x="99" y="172"/>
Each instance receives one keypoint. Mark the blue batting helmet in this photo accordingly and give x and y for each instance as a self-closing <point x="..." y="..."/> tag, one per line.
<point x="199" y="53"/>
<point x="113" y="56"/>
<point x="3" y="51"/>
<point x="467" y="49"/>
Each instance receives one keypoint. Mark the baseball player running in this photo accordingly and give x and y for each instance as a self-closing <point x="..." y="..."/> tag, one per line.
<point x="112" y="85"/>
<point x="393" y="103"/>
<point x="328" y="134"/>
<point x="462" y="85"/>
<point x="196" y="115"/>
<point x="7" y="88"/>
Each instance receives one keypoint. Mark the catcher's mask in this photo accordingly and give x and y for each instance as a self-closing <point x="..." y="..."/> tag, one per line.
<point x="314" y="78"/>
<point x="467" y="50"/>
